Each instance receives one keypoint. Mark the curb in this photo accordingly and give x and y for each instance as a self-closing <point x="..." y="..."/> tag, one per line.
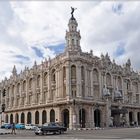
<point x="80" y="129"/>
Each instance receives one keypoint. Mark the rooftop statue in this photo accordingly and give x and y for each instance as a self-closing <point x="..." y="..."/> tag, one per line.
<point x="72" y="11"/>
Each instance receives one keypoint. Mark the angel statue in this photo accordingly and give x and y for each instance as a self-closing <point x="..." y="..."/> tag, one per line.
<point x="72" y="11"/>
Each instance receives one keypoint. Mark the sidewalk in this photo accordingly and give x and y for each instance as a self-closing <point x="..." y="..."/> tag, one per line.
<point x="4" y="131"/>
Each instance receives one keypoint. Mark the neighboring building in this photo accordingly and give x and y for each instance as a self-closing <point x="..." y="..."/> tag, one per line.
<point x="76" y="88"/>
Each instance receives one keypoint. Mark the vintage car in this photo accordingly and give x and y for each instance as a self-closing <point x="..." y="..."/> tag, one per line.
<point x="30" y="126"/>
<point x="51" y="127"/>
<point x="20" y="126"/>
<point x="6" y="125"/>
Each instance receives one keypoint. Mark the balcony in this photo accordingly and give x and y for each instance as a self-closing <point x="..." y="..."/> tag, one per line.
<point x="118" y="95"/>
<point x="53" y="84"/>
<point x="129" y="90"/>
<point x="73" y="81"/>
<point x="18" y="95"/>
<point x="96" y="83"/>
<point x="38" y="90"/>
<point x="45" y="88"/>
<point x="109" y="86"/>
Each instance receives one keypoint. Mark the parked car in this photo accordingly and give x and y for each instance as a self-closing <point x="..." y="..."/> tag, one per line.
<point x="6" y="125"/>
<point x="30" y="126"/>
<point x="20" y="126"/>
<point x="51" y="127"/>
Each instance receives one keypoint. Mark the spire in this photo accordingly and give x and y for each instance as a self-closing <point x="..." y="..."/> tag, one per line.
<point x="72" y="35"/>
<point x="14" y="71"/>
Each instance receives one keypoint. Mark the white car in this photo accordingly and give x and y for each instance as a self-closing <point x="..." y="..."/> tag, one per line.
<point x="30" y="126"/>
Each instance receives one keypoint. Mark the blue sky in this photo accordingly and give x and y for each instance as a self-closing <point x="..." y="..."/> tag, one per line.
<point x="36" y="30"/>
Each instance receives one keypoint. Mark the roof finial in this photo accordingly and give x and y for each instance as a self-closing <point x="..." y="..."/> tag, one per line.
<point x="14" y="70"/>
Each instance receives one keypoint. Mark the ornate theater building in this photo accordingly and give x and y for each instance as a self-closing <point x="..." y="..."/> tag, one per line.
<point x="75" y="88"/>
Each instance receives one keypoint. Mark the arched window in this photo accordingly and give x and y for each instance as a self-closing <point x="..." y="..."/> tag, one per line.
<point x="8" y="91"/>
<point x="24" y="85"/>
<point x="11" y="118"/>
<point x="36" y="117"/>
<point x="52" y="115"/>
<point x="95" y="75"/>
<point x="6" y="118"/>
<point x="16" y="118"/>
<point x="64" y="73"/>
<point x="30" y="83"/>
<point x="44" y="116"/>
<point x="18" y="88"/>
<point x="135" y="87"/>
<point x="53" y="75"/>
<point x="119" y="83"/>
<point x="13" y="89"/>
<point x="108" y="79"/>
<point x="72" y="41"/>
<point x="128" y="84"/>
<point x="29" y="118"/>
<point x="73" y="72"/>
<point x="38" y="81"/>
<point x="22" y="118"/>
<point x="82" y="73"/>
<point x="45" y="78"/>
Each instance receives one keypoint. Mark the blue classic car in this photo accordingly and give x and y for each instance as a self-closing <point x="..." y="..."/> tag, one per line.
<point x="6" y="125"/>
<point x="20" y="126"/>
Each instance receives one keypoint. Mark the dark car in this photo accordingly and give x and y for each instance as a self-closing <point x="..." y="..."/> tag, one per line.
<point x="51" y="127"/>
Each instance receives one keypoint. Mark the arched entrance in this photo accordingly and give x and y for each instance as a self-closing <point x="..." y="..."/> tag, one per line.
<point x="22" y="118"/>
<point x="138" y="116"/>
<point x="65" y="117"/>
<point x="130" y="118"/>
<point x="52" y="115"/>
<point x="29" y="117"/>
<point x="97" y="118"/>
<point x="6" y="118"/>
<point x="11" y="118"/>
<point x="16" y="118"/>
<point x="44" y="117"/>
<point x="82" y="118"/>
<point x="36" y="117"/>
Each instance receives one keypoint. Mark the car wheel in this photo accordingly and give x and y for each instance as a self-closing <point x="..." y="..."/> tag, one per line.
<point x="37" y="133"/>
<point x="62" y="131"/>
<point x="42" y="132"/>
<point x="59" y="132"/>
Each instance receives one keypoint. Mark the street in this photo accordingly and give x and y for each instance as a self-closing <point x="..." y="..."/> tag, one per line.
<point x="115" y="133"/>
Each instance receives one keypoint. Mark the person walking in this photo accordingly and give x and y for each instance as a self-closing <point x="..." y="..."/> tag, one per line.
<point x="13" y="128"/>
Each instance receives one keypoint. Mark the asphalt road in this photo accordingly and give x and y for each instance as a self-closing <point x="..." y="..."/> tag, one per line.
<point x="117" y="133"/>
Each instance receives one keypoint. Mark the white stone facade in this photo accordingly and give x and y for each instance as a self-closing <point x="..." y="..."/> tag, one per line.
<point x="75" y="88"/>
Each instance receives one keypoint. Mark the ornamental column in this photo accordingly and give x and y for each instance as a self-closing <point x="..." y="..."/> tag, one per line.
<point x="78" y="77"/>
<point x="68" y="83"/>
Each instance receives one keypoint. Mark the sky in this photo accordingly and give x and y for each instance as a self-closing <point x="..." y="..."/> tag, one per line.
<point x="34" y="30"/>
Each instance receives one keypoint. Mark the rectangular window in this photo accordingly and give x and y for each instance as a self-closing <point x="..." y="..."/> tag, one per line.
<point x="72" y="41"/>
<point x="137" y="98"/>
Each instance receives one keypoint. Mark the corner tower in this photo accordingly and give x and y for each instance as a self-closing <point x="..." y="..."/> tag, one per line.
<point x="72" y="35"/>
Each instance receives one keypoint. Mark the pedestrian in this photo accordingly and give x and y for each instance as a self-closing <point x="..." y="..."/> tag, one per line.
<point x="13" y="128"/>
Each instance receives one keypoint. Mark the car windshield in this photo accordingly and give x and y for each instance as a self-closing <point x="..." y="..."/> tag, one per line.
<point x="46" y="124"/>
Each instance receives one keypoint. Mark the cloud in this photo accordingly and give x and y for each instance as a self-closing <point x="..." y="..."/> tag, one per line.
<point x="34" y="30"/>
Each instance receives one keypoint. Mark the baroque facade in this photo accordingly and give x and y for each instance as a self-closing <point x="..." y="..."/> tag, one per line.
<point x="76" y="88"/>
